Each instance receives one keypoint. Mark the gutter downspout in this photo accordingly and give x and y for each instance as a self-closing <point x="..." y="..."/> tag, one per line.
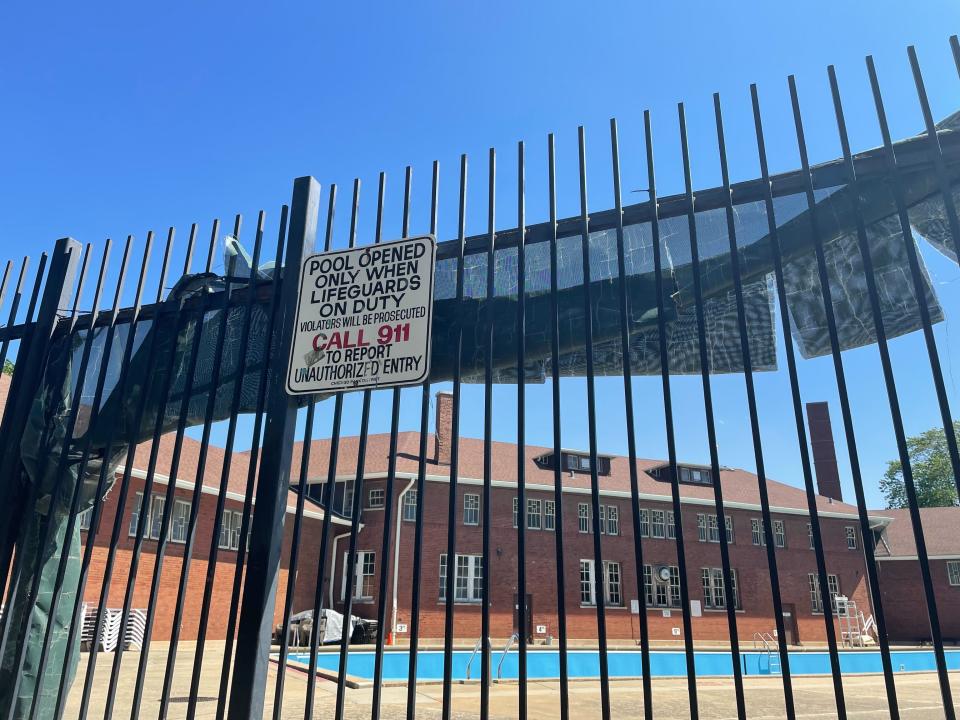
<point x="396" y="557"/>
<point x="333" y="573"/>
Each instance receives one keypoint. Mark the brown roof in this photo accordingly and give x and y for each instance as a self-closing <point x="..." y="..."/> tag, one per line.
<point x="739" y="486"/>
<point x="939" y="532"/>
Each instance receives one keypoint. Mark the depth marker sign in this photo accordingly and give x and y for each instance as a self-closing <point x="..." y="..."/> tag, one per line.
<point x="364" y="318"/>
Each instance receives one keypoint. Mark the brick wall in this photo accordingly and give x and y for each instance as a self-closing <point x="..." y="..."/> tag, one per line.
<point x="904" y="603"/>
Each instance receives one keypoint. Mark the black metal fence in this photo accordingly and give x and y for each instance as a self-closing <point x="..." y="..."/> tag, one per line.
<point x="99" y="398"/>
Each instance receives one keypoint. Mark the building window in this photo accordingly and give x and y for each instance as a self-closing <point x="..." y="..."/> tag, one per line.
<point x="613" y="520"/>
<point x="346" y="501"/>
<point x="410" y="506"/>
<point x="833" y="585"/>
<point x="611" y="583"/>
<point x="708" y="528"/>
<point x="953" y="572"/>
<point x="181" y="516"/>
<point x="471" y="509"/>
<point x="714" y="596"/>
<point x="154" y="518"/>
<point x="694" y="475"/>
<point x="376" y="498"/>
<point x="468" y="583"/>
<point x="362" y="585"/>
<point x="659" y="526"/>
<point x="549" y="515"/>
<point x="516" y="510"/>
<point x="760" y="538"/>
<point x="534" y="510"/>
<point x="662" y="591"/>
<point x="583" y="517"/>
<point x="84" y="518"/>
<point x="603" y="520"/>
<point x="810" y="534"/>
<point x="671" y="527"/>
<point x="644" y="522"/>
<point x="230" y="530"/>
<point x="851" y="533"/>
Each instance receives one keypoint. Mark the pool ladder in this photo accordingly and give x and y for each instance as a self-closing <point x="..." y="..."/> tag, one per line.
<point x="766" y="641"/>
<point x="476" y="648"/>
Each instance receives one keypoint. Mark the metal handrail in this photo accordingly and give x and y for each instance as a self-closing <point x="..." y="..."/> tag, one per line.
<point x="503" y="656"/>
<point x="476" y="649"/>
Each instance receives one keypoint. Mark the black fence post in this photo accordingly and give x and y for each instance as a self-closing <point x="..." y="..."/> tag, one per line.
<point x="30" y="365"/>
<point x="260" y="585"/>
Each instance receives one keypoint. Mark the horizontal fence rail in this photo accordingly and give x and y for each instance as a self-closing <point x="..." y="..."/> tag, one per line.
<point x="179" y="537"/>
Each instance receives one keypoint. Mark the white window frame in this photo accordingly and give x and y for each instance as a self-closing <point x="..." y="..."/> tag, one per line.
<point x="953" y="573"/>
<point x="410" y="505"/>
<point x="659" y="595"/>
<point x="612" y="583"/>
<point x="534" y="513"/>
<point x="658" y="520"/>
<point x="178" y="521"/>
<point x="549" y="515"/>
<point x="613" y="520"/>
<point x="468" y="583"/>
<point x="84" y="519"/>
<point x="516" y="511"/>
<point x="471" y="509"/>
<point x="376" y="498"/>
<point x="851" y="534"/>
<point x="363" y="572"/>
<point x="230" y="530"/>
<point x="810" y="534"/>
<point x="833" y="586"/>
<point x="583" y="517"/>
<point x="644" y="522"/>
<point x="714" y="593"/>
<point x="779" y="534"/>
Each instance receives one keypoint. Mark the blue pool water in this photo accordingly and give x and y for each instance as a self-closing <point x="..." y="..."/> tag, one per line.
<point x="542" y="664"/>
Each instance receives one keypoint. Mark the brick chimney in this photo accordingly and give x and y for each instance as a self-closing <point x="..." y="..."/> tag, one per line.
<point x="443" y="438"/>
<point x="824" y="451"/>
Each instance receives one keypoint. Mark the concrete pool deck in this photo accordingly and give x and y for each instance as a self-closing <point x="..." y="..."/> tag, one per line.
<point x="918" y="694"/>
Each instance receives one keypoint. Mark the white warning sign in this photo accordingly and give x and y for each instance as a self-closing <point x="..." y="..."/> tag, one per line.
<point x="363" y="318"/>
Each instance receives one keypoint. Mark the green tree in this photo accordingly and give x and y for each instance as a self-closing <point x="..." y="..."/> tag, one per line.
<point x="932" y="472"/>
<point x="8" y="367"/>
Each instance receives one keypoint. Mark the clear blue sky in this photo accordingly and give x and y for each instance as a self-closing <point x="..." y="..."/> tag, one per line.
<point x="118" y="119"/>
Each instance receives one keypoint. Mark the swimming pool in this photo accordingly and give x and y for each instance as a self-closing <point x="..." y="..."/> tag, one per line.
<point x="544" y="664"/>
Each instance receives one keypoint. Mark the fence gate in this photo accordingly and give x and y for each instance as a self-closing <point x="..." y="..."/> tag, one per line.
<point x="181" y="537"/>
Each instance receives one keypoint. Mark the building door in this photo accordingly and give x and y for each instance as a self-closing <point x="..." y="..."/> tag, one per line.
<point x="516" y="616"/>
<point x="790" y="623"/>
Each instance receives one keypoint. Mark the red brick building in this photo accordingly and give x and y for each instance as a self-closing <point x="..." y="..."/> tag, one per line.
<point x="843" y="545"/>
<point x="899" y="569"/>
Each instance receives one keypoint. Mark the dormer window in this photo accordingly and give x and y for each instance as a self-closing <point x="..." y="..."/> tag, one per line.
<point x="575" y="462"/>
<point x="689" y="474"/>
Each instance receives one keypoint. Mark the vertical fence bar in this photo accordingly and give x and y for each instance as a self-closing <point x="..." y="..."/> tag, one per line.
<point x="747" y="360"/>
<point x="247" y="511"/>
<point x="599" y="570"/>
<point x="627" y="363"/>
<point x="210" y="576"/>
<point x="693" y="703"/>
<point x="421" y="496"/>
<point x="103" y="478"/>
<point x="448" y="629"/>
<point x="711" y="427"/>
<point x="47" y="530"/>
<point x="292" y="572"/>
<point x="391" y="478"/>
<point x="825" y="600"/>
<point x="560" y="560"/>
<point x="521" y="602"/>
<point x="85" y="452"/>
<point x="893" y="399"/>
<point x="8" y="530"/>
<point x="357" y="505"/>
<point x="132" y="442"/>
<point x="259" y="595"/>
<point x="145" y="520"/>
<point x="170" y="503"/>
<point x="33" y="349"/>
<point x="490" y="319"/>
<point x="936" y="155"/>
<point x="327" y="503"/>
<point x="896" y="183"/>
